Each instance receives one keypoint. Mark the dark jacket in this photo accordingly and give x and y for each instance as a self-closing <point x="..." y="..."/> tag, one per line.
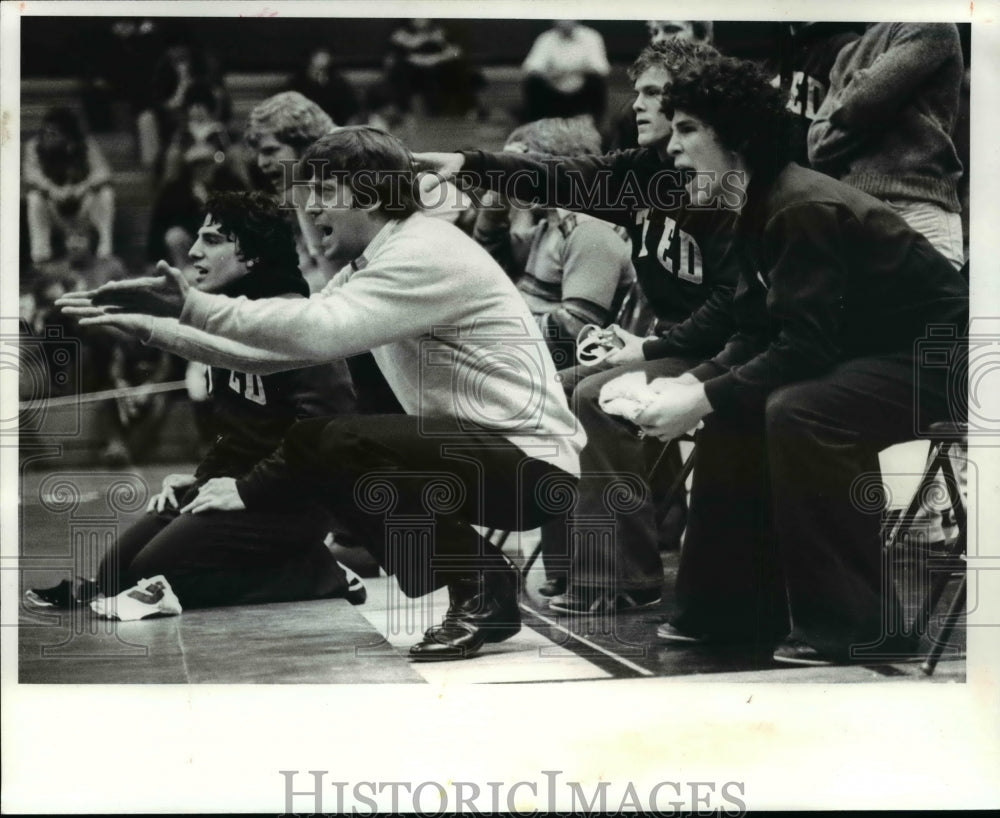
<point x="836" y="275"/>
<point x="252" y="413"/>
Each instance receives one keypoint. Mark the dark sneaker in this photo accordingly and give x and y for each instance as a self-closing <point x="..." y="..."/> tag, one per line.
<point x="64" y="595"/>
<point x="597" y="602"/>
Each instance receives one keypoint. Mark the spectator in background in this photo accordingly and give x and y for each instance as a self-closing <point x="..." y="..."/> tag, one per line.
<point x="182" y="65"/>
<point x="886" y="125"/>
<point x="325" y="86"/>
<point x="179" y="208"/>
<point x="81" y="263"/>
<point x="278" y="130"/>
<point x="623" y="133"/>
<point x="802" y="70"/>
<point x="132" y="422"/>
<point x="565" y="73"/>
<point x="198" y="125"/>
<point x="422" y="62"/>
<point x="577" y="268"/>
<point x="68" y="181"/>
<point x="697" y="31"/>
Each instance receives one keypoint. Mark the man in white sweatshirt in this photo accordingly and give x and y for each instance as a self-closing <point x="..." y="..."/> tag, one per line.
<point x="487" y="438"/>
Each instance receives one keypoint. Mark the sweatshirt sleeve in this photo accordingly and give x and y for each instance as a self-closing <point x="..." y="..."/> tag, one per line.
<point x="197" y="345"/>
<point x="805" y="303"/>
<point x="31" y="169"/>
<point x="873" y="95"/>
<point x="381" y="304"/>
<point x="609" y="187"/>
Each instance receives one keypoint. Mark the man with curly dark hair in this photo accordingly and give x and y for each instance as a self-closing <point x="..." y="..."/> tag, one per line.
<point x="205" y="549"/>
<point x="820" y="376"/>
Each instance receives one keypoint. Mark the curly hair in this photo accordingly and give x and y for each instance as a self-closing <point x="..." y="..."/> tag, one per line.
<point x="736" y="99"/>
<point x="292" y="119"/>
<point x="673" y="56"/>
<point x="263" y="236"/>
<point x="558" y="136"/>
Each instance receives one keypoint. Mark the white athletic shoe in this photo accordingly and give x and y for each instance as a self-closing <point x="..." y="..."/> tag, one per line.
<point x="148" y="597"/>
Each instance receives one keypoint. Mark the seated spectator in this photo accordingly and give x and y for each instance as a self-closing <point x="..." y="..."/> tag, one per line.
<point x="622" y="134"/>
<point x="183" y="64"/>
<point x="133" y="422"/>
<point x="577" y="268"/>
<point x="67" y="180"/>
<point x="198" y="127"/>
<point x="244" y="248"/>
<point x="480" y="442"/>
<point x="565" y="73"/>
<point x="179" y="207"/>
<point x="80" y="261"/>
<point x="423" y="63"/>
<point x="325" y="86"/>
<point x="798" y="405"/>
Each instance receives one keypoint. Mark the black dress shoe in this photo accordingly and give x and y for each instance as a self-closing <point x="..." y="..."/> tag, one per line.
<point x="481" y="611"/>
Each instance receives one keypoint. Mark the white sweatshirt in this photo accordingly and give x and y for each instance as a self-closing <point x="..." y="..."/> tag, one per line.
<point x="449" y="331"/>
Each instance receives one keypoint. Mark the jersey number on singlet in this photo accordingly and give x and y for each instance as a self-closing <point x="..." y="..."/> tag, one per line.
<point x="254" y="387"/>
<point x="678" y="252"/>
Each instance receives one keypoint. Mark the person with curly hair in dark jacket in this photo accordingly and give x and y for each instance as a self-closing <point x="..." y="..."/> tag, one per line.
<point x="821" y="374"/>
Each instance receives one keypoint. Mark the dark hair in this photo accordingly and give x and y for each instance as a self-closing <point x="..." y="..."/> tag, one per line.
<point x="66" y="121"/>
<point x="376" y="166"/>
<point x="264" y="239"/>
<point x="201" y="93"/>
<point x="673" y="55"/>
<point x="736" y="99"/>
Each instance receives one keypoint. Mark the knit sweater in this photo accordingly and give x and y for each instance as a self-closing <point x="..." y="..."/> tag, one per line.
<point x="445" y="325"/>
<point x="838" y="276"/>
<point x="885" y="125"/>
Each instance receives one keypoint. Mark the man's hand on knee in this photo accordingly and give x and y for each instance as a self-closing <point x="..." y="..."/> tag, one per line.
<point x="218" y="494"/>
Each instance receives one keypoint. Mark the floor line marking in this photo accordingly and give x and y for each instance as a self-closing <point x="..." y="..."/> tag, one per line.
<point x="621" y="659"/>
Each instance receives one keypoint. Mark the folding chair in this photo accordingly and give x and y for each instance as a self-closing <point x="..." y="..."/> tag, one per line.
<point x="944" y="438"/>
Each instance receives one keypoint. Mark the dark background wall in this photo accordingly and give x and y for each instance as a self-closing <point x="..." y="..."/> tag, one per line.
<point x="62" y="46"/>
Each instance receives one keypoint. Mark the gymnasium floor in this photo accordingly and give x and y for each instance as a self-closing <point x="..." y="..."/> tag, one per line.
<point x="64" y="531"/>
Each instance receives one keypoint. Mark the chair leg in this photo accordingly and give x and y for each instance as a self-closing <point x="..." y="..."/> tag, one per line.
<point x="941" y="642"/>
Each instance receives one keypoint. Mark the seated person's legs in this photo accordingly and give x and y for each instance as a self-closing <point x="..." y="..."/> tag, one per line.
<point x="823" y="439"/>
<point x="614" y="452"/>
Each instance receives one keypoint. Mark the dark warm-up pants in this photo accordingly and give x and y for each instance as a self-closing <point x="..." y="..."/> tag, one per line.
<point x="820" y="441"/>
<point x="611" y="537"/>
<point x="227" y="557"/>
<point x="411" y="489"/>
